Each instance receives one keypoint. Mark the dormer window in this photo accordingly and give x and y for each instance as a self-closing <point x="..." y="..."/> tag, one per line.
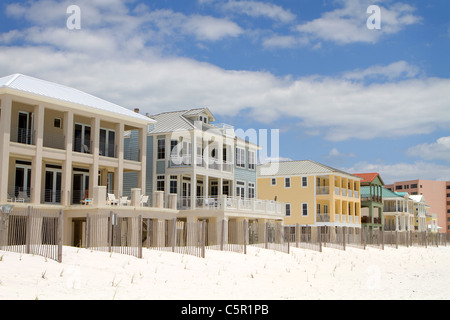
<point x="203" y="119"/>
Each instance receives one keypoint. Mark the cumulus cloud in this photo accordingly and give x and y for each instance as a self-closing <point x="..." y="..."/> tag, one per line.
<point x="260" y="9"/>
<point x="128" y="68"/>
<point x="439" y="150"/>
<point x="404" y="171"/>
<point x="348" y="23"/>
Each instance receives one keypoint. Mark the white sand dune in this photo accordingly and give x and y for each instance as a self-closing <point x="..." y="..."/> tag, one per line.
<point x="406" y="273"/>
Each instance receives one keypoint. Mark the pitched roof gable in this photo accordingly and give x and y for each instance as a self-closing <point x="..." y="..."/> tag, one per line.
<point x="54" y="91"/>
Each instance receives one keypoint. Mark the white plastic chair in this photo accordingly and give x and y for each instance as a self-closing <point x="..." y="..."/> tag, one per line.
<point x="112" y="199"/>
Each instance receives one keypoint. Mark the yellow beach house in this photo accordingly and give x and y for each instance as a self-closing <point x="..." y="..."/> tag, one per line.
<point x="314" y="194"/>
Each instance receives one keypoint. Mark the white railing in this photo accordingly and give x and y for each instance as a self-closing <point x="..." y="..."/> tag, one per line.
<point x="231" y="203"/>
<point x="337" y="191"/>
<point x="322" y="190"/>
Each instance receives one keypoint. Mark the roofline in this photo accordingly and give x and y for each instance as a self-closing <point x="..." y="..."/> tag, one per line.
<point x="334" y="170"/>
<point x="25" y="94"/>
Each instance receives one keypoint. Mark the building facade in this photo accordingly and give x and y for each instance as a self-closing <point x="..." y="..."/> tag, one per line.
<point x="208" y="171"/>
<point x="313" y="194"/>
<point x="371" y="200"/>
<point x="398" y="211"/>
<point x="63" y="149"/>
<point x="437" y="195"/>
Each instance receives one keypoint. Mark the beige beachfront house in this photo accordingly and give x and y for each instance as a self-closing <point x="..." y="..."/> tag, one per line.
<point x="63" y="149"/>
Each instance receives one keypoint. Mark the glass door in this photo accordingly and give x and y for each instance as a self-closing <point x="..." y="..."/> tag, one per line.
<point x="52" y="192"/>
<point x="82" y="138"/>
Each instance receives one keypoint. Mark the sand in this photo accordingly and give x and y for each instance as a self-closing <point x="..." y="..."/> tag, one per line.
<point x="406" y="273"/>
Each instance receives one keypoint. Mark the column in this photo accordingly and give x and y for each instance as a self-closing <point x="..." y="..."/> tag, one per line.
<point x="66" y="179"/>
<point x="93" y="169"/>
<point x="36" y="164"/>
<point x="193" y="191"/>
<point x="143" y="158"/>
<point x="118" y="174"/>
<point x="5" y="137"/>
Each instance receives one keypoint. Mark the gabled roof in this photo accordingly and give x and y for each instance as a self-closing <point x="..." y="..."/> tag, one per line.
<point x="44" y="89"/>
<point x="286" y="168"/>
<point x="368" y="177"/>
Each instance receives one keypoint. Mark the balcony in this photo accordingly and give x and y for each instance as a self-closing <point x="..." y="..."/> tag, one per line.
<point x="232" y="203"/>
<point x="22" y="135"/>
<point x="325" y="190"/>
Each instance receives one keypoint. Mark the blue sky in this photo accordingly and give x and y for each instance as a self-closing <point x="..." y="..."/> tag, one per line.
<point x="357" y="99"/>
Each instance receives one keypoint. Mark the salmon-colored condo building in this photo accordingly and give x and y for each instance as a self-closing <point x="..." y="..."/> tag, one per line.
<point x="436" y="193"/>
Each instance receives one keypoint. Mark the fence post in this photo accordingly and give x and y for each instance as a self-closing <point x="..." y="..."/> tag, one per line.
<point x="148" y="232"/>
<point x="111" y="217"/>
<point x="60" y="235"/>
<point x="344" y="229"/>
<point x="28" y="232"/>
<point x="203" y="238"/>
<point x="88" y="226"/>
<point x="222" y="234"/>
<point x="266" y="235"/>
<point x="245" y="224"/>
<point x="174" y="233"/>
<point x="140" y="221"/>
<point x="319" y="238"/>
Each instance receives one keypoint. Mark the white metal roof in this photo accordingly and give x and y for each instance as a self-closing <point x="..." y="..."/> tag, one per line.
<point x="292" y="168"/>
<point x="38" y="87"/>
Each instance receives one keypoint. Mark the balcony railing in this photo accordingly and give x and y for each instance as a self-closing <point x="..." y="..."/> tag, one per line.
<point x="19" y="194"/>
<point x="322" y="190"/>
<point x="231" y="203"/>
<point x="21" y="135"/>
<point x="54" y="141"/>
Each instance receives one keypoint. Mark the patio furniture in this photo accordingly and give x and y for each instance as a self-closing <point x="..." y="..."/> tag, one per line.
<point x="112" y="199"/>
<point x="123" y="201"/>
<point x="144" y="201"/>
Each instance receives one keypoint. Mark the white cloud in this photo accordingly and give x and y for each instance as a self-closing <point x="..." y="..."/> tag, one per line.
<point x="127" y="68"/>
<point x="404" y="171"/>
<point x="260" y="9"/>
<point x="347" y="24"/>
<point x="393" y="71"/>
<point x="335" y="153"/>
<point x="439" y="150"/>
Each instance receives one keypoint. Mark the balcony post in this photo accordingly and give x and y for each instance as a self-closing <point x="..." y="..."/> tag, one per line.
<point x="66" y="178"/>
<point x="93" y="169"/>
<point x="36" y="166"/>
<point x="5" y="137"/>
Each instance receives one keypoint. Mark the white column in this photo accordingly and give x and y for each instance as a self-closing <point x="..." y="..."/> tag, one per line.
<point x="36" y="164"/>
<point x="5" y="137"/>
<point x="193" y="190"/>
<point x="66" y="179"/>
<point x="118" y="174"/>
<point x="143" y="158"/>
<point x="93" y="169"/>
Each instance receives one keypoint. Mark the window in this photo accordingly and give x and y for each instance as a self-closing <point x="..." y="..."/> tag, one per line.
<point x="251" y="160"/>
<point x="240" y="158"/>
<point x="414" y="186"/>
<point x="274" y="181"/>
<point x="288" y="209"/>
<point x="57" y="123"/>
<point x="304" y="182"/>
<point x="304" y="209"/>
<point x="318" y="208"/>
<point x="240" y="189"/>
<point x="398" y="187"/>
<point x="287" y="182"/>
<point x="161" y="149"/>
<point x="173" y="185"/>
<point x="107" y="143"/>
<point x="160" y="183"/>
<point x="251" y="190"/>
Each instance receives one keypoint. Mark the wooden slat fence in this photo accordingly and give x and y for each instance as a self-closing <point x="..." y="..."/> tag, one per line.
<point x="32" y="231"/>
